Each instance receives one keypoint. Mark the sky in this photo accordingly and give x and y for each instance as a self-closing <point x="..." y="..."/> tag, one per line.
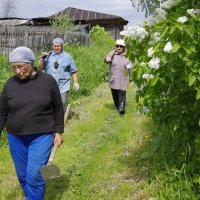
<point x="45" y="8"/>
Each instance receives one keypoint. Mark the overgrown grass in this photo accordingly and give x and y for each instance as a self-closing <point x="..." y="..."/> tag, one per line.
<point x="97" y="144"/>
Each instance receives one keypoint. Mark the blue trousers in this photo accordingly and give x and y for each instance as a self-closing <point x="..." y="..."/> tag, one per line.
<point x="30" y="153"/>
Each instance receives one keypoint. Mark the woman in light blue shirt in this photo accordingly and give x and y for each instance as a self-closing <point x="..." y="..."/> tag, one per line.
<point x="60" y="65"/>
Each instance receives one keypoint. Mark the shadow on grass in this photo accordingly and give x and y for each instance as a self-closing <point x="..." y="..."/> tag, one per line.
<point x="74" y="115"/>
<point x="56" y="187"/>
<point x="109" y="106"/>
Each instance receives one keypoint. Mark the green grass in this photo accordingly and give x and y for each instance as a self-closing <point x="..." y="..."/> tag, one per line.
<point x="105" y="156"/>
<point x="93" y="158"/>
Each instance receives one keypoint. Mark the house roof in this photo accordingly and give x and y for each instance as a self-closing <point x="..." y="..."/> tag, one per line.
<point x="86" y="15"/>
<point x="13" y="21"/>
<point x="79" y="17"/>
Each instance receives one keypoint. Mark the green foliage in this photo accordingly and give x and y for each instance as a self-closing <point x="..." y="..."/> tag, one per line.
<point x="63" y="22"/>
<point x="172" y="94"/>
<point x="101" y="38"/>
<point x="5" y="70"/>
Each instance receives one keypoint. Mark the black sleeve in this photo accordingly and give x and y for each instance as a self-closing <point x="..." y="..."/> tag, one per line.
<point x="58" y="107"/>
<point x="3" y="109"/>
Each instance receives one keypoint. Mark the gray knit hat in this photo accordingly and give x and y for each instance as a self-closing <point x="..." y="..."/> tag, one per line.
<point x="22" y="54"/>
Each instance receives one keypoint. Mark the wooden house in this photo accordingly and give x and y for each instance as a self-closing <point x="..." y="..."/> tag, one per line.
<point x="84" y="18"/>
<point x="111" y="23"/>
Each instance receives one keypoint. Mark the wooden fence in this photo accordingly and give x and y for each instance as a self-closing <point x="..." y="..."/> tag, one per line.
<point x="36" y="38"/>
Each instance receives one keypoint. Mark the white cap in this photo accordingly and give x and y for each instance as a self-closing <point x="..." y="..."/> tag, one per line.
<point x="120" y="42"/>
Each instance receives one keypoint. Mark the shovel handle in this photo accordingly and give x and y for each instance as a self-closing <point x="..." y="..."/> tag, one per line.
<point x="67" y="113"/>
<point x="53" y="153"/>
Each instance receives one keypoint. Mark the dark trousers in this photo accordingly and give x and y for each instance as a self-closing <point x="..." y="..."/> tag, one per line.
<point x="119" y="96"/>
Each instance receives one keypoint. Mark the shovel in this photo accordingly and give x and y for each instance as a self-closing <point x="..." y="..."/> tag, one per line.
<point x="67" y="113"/>
<point x="50" y="171"/>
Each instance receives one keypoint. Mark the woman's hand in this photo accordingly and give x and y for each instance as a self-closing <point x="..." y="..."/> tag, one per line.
<point x="108" y="59"/>
<point x="58" y="138"/>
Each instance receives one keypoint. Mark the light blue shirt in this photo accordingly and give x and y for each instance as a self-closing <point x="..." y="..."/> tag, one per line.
<point x="62" y="73"/>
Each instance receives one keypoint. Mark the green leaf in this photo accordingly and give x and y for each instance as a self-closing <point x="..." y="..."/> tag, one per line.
<point x="139" y="72"/>
<point x="165" y="31"/>
<point x="176" y="47"/>
<point x="189" y="32"/>
<point x="198" y="95"/>
<point x="148" y="93"/>
<point x="192" y="80"/>
<point x="155" y="80"/>
<point x="171" y="31"/>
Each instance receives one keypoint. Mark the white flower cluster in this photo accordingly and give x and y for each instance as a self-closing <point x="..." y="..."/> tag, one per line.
<point x="135" y="32"/>
<point x="168" y="47"/>
<point x="147" y="76"/>
<point x="151" y="20"/>
<point x="142" y="64"/>
<point x="182" y="19"/>
<point x="161" y="13"/>
<point x="150" y="52"/>
<point x="155" y="38"/>
<point x="138" y="89"/>
<point x="169" y="4"/>
<point x="193" y="12"/>
<point x="154" y="63"/>
<point x="145" y="109"/>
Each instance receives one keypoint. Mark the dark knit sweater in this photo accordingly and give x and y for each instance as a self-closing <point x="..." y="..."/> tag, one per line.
<point x="31" y="106"/>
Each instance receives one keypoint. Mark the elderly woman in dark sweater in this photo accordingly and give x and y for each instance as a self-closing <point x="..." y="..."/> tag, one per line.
<point x="31" y="109"/>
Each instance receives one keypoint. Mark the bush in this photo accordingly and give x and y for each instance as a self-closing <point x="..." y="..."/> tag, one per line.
<point x="165" y="52"/>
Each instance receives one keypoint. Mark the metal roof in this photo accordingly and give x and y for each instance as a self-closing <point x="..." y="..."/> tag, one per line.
<point x="86" y="15"/>
<point x="14" y="22"/>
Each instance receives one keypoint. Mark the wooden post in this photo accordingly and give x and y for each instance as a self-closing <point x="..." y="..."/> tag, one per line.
<point x="67" y="113"/>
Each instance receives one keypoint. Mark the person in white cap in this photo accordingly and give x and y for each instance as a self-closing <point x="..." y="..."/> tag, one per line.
<point x="60" y="65"/>
<point x="119" y="64"/>
<point x="31" y="110"/>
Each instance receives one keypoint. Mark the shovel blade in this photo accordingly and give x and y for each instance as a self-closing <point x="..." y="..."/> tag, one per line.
<point x="50" y="171"/>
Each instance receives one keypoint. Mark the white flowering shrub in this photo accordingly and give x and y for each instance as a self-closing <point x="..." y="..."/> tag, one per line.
<point x="166" y="57"/>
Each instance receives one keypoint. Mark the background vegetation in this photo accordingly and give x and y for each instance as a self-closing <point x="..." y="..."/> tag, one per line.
<point x="107" y="156"/>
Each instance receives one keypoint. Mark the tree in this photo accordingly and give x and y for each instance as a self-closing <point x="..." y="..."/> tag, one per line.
<point x="149" y="6"/>
<point x="63" y="22"/>
<point x="7" y="7"/>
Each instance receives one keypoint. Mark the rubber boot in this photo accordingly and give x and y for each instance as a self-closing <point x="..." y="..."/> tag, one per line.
<point x="121" y="108"/>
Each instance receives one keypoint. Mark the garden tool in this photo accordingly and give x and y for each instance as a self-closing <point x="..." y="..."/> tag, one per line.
<point x="45" y="54"/>
<point x="50" y="171"/>
<point x="67" y="113"/>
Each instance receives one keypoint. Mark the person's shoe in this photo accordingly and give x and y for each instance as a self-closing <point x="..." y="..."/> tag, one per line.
<point x="122" y="108"/>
